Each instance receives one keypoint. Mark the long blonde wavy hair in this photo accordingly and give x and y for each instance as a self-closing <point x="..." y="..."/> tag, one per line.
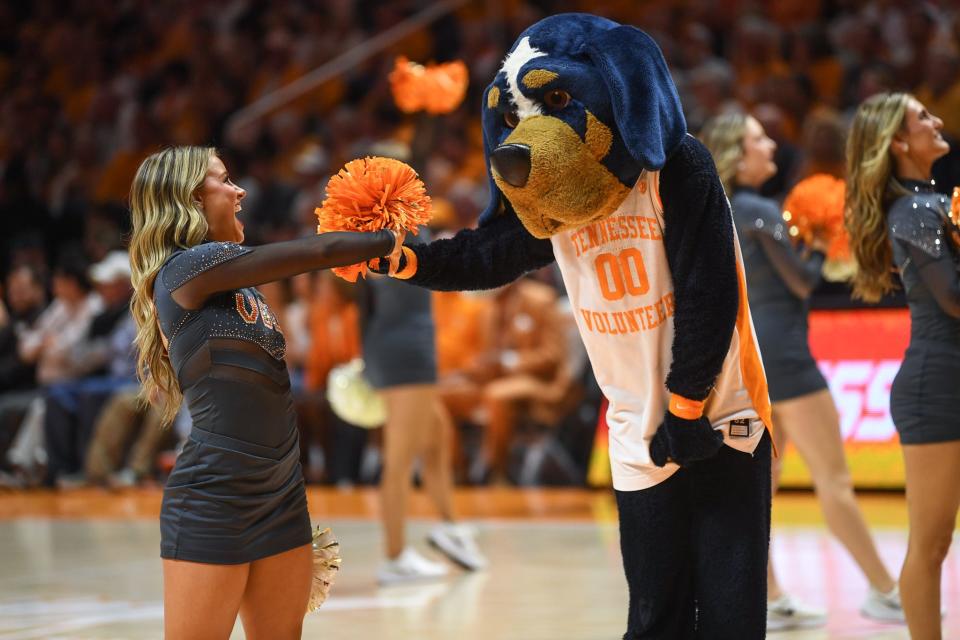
<point x="871" y="187"/>
<point x="723" y="136"/>
<point x="165" y="216"/>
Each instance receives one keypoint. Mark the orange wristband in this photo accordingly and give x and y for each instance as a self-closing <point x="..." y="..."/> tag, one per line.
<point x="685" y="408"/>
<point x="410" y="268"/>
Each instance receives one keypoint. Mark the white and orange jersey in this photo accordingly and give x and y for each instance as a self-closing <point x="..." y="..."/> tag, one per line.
<point x="621" y="290"/>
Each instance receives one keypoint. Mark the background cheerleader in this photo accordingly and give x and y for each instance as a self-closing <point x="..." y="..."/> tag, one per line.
<point x="780" y="279"/>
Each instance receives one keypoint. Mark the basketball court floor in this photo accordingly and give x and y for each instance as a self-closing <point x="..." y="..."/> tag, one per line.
<point x="84" y="564"/>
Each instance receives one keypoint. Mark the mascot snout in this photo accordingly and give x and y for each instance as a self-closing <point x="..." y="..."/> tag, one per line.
<point x="512" y="163"/>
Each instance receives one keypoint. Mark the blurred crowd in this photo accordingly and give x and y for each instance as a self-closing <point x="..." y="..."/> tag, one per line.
<point x="91" y="87"/>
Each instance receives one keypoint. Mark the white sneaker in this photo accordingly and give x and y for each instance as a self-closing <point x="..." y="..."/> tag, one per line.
<point x="884" y="607"/>
<point x="787" y="613"/>
<point x="409" y="566"/>
<point x="458" y="542"/>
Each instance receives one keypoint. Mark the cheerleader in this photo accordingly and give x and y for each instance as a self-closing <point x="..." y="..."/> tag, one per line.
<point x="896" y="219"/>
<point x="234" y="529"/>
<point x="780" y="279"/>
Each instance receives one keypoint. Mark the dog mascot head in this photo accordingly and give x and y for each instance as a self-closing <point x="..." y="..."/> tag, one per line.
<point x="581" y="106"/>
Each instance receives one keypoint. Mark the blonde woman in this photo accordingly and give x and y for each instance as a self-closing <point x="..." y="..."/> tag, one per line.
<point x="234" y="529"/>
<point x="896" y="219"/>
<point x="780" y="279"/>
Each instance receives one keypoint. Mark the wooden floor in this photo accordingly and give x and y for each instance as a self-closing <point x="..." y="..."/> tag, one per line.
<point x="84" y="564"/>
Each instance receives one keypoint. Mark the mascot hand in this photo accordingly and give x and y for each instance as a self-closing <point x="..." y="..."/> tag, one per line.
<point x="401" y="264"/>
<point x="684" y="441"/>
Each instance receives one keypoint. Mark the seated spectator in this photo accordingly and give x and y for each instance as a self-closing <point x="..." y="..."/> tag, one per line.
<point x="25" y="300"/>
<point x="49" y="346"/>
<point x="127" y="436"/>
<point x="331" y="449"/>
<point x="512" y="369"/>
<point x="63" y="324"/>
<point x="104" y="363"/>
<point x="463" y="322"/>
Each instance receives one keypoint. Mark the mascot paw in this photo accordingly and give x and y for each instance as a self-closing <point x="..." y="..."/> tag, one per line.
<point x="684" y="441"/>
<point x="405" y="268"/>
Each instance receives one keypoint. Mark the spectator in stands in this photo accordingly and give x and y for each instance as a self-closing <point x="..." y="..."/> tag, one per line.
<point x="331" y="449"/>
<point x="63" y="325"/>
<point x="940" y="88"/>
<point x="49" y="345"/>
<point x="711" y="89"/>
<point x="126" y="438"/>
<point x="822" y="143"/>
<point x="104" y="363"/>
<point x="524" y="369"/>
<point x="25" y="300"/>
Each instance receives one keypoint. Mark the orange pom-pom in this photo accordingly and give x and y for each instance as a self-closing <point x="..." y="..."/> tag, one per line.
<point x="954" y="216"/>
<point x="371" y="194"/>
<point x="436" y="88"/>
<point x="814" y="209"/>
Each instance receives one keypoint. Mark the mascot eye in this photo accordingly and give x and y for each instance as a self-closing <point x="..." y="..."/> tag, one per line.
<point x="511" y="119"/>
<point x="557" y="99"/>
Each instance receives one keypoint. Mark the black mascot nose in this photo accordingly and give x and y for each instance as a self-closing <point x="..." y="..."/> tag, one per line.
<point x="512" y="162"/>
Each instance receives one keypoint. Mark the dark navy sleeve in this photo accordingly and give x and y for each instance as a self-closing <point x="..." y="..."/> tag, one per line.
<point x="698" y="238"/>
<point x="484" y="258"/>
<point x="194" y="275"/>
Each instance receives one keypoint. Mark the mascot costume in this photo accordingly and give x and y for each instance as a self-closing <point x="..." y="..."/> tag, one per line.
<point x="591" y="165"/>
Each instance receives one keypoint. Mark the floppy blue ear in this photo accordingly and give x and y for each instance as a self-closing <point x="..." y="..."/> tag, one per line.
<point x="644" y="99"/>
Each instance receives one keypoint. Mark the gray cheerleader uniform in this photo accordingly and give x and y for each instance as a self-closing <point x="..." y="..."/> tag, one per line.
<point x="923" y="398"/>
<point x="779" y="283"/>
<point x="236" y="493"/>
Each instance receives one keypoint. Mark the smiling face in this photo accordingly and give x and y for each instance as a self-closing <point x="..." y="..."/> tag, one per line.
<point x="220" y="200"/>
<point x="554" y="152"/>
<point x="756" y="165"/>
<point x="919" y="142"/>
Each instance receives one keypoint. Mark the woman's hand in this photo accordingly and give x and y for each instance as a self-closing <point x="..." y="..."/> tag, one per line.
<point x="397" y="252"/>
<point x="819" y="242"/>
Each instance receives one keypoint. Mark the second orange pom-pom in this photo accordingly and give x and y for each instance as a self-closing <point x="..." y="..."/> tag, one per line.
<point x="814" y="209"/>
<point x="370" y="194"/>
<point x="435" y="88"/>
